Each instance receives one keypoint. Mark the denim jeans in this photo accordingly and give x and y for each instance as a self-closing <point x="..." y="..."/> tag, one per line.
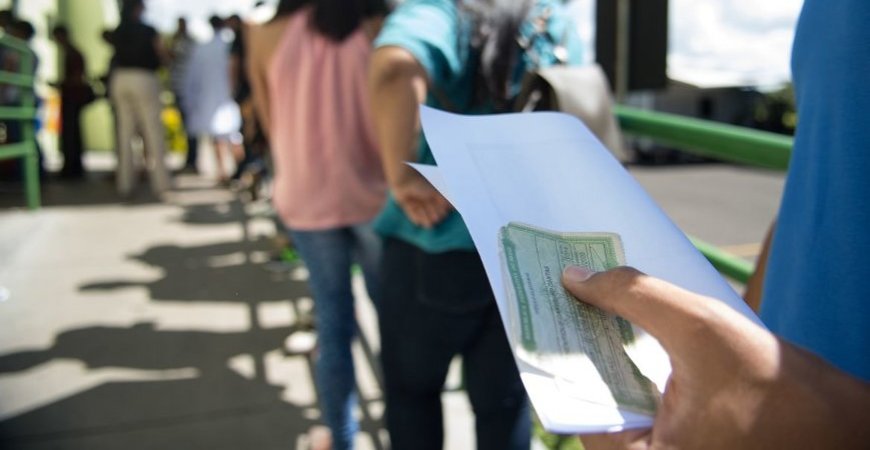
<point x="433" y="307"/>
<point x="329" y="254"/>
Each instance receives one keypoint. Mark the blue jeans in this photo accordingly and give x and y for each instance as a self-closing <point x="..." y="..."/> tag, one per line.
<point x="329" y="254"/>
<point x="434" y="307"/>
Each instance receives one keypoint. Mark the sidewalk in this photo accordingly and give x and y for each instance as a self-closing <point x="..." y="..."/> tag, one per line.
<point x="143" y="325"/>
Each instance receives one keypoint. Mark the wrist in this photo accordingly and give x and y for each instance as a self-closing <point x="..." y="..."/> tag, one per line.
<point x="399" y="175"/>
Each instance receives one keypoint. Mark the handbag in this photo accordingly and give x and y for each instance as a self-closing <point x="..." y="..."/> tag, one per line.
<point x="581" y="91"/>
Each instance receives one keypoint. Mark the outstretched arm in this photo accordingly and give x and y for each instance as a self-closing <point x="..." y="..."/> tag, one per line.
<point x="734" y="384"/>
<point x="397" y="83"/>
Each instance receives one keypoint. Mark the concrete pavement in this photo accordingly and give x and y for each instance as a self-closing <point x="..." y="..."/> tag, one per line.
<point x="143" y="325"/>
<point x="726" y="205"/>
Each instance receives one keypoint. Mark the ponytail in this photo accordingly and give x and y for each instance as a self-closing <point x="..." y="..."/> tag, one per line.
<point x="496" y="26"/>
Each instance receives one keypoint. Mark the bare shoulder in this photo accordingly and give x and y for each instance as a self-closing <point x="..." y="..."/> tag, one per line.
<point x="262" y="38"/>
<point x="266" y="31"/>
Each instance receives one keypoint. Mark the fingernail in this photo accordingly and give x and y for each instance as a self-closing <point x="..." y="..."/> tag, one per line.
<point x="577" y="274"/>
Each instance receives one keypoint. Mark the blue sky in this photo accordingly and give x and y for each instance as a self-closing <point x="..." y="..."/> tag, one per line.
<point x="712" y="42"/>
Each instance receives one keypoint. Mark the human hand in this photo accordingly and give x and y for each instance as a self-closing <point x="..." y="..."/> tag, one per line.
<point x="733" y="384"/>
<point x="421" y="202"/>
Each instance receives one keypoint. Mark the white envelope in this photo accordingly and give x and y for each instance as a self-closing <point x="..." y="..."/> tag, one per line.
<point x="548" y="170"/>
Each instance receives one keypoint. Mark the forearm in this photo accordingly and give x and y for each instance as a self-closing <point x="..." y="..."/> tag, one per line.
<point x="397" y="87"/>
<point x="827" y="407"/>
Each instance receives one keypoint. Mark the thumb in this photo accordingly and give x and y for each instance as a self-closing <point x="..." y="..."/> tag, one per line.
<point x="667" y="312"/>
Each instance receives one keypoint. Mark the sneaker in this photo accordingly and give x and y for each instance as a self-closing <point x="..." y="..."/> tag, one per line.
<point x="284" y="260"/>
<point x="300" y="343"/>
<point x="289" y="255"/>
<point x="188" y="170"/>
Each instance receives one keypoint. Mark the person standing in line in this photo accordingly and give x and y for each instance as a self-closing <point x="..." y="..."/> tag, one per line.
<point x="75" y="93"/>
<point x="208" y="102"/>
<point x="135" y="93"/>
<point x="307" y="68"/>
<point x="465" y="57"/>
<point x="179" y="51"/>
<point x="243" y="145"/>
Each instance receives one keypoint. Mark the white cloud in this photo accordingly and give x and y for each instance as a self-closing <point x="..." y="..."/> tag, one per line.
<point x="715" y="42"/>
<point x="719" y="42"/>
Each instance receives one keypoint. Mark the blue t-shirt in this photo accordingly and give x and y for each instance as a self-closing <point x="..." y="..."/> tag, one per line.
<point x="817" y="289"/>
<point x="438" y="34"/>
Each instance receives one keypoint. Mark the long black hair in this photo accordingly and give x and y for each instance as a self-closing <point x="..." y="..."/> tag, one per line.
<point x="496" y="27"/>
<point x="337" y="19"/>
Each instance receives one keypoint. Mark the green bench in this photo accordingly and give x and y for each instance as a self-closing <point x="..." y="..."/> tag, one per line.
<point x="25" y="112"/>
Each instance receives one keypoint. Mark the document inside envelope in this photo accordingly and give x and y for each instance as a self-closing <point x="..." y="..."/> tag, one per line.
<point x="581" y="346"/>
<point x="548" y="170"/>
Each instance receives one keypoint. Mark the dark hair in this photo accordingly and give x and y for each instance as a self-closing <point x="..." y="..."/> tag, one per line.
<point x="129" y="8"/>
<point x="337" y="19"/>
<point x="496" y="26"/>
<point x="24" y="29"/>
<point x="60" y="31"/>
<point x="216" y="22"/>
<point x="181" y="26"/>
<point x="286" y="7"/>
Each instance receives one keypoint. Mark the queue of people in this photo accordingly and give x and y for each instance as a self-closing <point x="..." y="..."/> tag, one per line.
<point x="202" y="82"/>
<point x="744" y="388"/>
<point x="335" y="86"/>
<point x="339" y="140"/>
<point x="207" y="93"/>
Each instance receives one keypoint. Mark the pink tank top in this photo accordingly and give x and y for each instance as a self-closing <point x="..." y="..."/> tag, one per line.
<point x="327" y="169"/>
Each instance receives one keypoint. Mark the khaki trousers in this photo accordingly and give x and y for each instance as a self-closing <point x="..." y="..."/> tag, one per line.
<point x="136" y="99"/>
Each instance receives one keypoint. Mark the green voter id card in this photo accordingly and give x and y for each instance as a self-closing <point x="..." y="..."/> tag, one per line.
<point x="575" y="342"/>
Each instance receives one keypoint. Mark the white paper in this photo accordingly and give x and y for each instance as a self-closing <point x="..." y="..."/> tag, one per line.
<point x="548" y="170"/>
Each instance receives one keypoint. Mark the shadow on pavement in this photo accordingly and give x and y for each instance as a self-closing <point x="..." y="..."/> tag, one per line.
<point x="221" y="272"/>
<point x="196" y="399"/>
<point x="212" y="213"/>
<point x="211" y="406"/>
<point x="96" y="188"/>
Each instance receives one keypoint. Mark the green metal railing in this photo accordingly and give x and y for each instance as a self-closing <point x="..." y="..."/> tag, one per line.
<point x="712" y="139"/>
<point x="25" y="112"/>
